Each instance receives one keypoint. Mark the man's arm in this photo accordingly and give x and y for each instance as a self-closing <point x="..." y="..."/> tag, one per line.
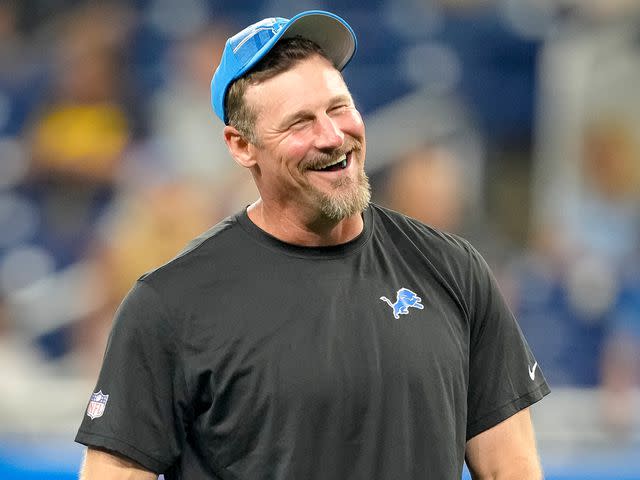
<point x="101" y="465"/>
<point x="506" y="451"/>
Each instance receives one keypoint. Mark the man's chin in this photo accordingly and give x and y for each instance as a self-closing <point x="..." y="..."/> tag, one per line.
<point x="346" y="201"/>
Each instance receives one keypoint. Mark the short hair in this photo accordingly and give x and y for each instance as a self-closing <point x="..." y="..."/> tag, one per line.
<point x="282" y="57"/>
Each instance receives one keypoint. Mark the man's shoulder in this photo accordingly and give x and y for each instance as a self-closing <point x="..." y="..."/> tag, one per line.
<point x="398" y="224"/>
<point x="200" y="258"/>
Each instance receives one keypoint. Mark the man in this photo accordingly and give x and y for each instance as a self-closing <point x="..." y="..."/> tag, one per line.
<point x="314" y="335"/>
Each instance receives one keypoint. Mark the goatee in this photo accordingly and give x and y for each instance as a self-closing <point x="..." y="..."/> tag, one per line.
<point x="347" y="199"/>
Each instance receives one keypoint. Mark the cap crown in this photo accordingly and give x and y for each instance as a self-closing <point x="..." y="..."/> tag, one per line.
<point x="247" y="47"/>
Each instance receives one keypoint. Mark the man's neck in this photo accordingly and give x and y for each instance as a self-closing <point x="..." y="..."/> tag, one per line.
<point x="309" y="232"/>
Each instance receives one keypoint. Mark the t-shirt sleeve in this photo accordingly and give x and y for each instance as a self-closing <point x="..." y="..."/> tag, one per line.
<point x="504" y="376"/>
<point x="138" y="407"/>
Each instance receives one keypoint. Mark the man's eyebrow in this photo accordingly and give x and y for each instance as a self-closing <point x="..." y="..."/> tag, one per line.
<point x="343" y="98"/>
<point x="301" y="114"/>
<point x="289" y="119"/>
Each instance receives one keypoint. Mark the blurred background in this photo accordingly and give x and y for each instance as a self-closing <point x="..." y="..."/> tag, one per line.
<point x="515" y="123"/>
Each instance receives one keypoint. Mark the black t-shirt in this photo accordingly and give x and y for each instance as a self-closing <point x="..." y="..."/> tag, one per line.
<point x="247" y="358"/>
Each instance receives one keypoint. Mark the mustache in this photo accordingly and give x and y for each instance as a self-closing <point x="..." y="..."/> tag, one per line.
<point x="322" y="159"/>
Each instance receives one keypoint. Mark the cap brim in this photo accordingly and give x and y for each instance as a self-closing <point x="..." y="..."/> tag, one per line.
<point x="330" y="32"/>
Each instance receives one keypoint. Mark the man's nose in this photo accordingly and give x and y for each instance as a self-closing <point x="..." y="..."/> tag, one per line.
<point x="328" y="133"/>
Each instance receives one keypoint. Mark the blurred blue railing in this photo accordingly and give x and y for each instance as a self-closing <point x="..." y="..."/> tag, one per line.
<point x="59" y="459"/>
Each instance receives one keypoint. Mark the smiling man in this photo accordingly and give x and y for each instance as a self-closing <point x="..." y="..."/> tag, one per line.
<point x="304" y="145"/>
<point x="313" y="335"/>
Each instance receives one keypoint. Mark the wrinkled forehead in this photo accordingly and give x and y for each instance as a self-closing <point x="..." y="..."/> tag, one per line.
<point x="308" y="85"/>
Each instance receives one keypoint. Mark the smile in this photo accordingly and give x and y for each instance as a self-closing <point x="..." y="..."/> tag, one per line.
<point x="340" y="164"/>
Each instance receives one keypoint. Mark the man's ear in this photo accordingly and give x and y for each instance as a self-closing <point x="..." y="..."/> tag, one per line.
<point x="241" y="150"/>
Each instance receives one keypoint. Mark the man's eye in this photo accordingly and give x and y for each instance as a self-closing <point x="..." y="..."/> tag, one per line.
<point x="300" y="123"/>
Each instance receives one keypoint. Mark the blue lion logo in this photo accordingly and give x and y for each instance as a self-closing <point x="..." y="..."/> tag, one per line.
<point x="405" y="298"/>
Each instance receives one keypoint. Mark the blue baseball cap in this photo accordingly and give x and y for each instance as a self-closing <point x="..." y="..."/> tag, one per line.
<point x="242" y="51"/>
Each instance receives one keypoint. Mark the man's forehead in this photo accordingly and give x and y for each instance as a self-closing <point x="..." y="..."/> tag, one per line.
<point x="313" y="79"/>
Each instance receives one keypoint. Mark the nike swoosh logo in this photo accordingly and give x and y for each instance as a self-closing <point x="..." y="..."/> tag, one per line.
<point x="532" y="371"/>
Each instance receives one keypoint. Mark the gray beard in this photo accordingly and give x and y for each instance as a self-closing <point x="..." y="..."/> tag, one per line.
<point x="346" y="202"/>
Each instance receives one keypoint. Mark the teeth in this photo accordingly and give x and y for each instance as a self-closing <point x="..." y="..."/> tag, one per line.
<point x="342" y="161"/>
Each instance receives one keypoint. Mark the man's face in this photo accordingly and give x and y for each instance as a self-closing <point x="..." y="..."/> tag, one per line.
<point x="311" y="142"/>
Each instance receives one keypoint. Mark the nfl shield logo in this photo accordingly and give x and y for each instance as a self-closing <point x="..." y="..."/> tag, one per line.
<point x="97" y="404"/>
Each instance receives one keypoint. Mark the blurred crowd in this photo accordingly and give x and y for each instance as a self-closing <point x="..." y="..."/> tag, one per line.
<point x="514" y="123"/>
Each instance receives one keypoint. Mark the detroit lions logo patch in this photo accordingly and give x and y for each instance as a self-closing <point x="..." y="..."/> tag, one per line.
<point x="405" y="299"/>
